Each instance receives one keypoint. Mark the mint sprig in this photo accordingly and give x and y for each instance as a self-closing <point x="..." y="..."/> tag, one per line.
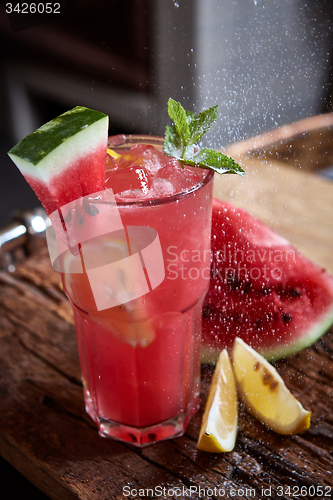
<point x="181" y="140"/>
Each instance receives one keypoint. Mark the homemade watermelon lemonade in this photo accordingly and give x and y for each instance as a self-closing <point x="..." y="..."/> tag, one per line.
<point x="123" y="253"/>
<point x="140" y="357"/>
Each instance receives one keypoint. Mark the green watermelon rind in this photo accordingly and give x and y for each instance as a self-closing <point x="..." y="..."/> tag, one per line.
<point x="45" y="152"/>
<point x="35" y="146"/>
<point x="209" y="354"/>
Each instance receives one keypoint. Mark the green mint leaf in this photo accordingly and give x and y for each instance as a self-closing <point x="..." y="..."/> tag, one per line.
<point x="189" y="151"/>
<point x="190" y="117"/>
<point x="201" y="123"/>
<point x="173" y="145"/>
<point x="188" y="128"/>
<point x="178" y="114"/>
<point x="213" y="160"/>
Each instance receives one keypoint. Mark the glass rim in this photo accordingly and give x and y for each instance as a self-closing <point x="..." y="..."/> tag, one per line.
<point x="122" y="141"/>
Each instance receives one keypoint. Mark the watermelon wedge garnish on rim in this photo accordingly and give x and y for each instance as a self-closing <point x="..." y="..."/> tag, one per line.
<point x="64" y="159"/>
<point x="262" y="289"/>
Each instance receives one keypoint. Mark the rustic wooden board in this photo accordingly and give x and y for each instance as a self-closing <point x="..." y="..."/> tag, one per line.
<point x="46" y="434"/>
<point x="306" y="144"/>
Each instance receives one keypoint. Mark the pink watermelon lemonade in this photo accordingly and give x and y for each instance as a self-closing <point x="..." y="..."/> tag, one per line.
<point x="140" y="358"/>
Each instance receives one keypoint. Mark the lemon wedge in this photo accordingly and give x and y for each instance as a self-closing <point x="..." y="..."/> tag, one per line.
<point x="112" y="153"/>
<point x="219" y="423"/>
<point x="130" y="321"/>
<point x="265" y="394"/>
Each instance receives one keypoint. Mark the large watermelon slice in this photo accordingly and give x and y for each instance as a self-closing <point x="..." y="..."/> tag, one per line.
<point x="64" y="159"/>
<point x="262" y="289"/>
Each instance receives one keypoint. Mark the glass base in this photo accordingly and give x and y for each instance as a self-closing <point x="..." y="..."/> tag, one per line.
<point x="142" y="436"/>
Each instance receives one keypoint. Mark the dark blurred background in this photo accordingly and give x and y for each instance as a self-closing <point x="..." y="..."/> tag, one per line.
<point x="265" y="63"/>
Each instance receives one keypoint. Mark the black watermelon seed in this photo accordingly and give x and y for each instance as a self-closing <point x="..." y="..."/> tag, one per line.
<point x="234" y="283"/>
<point x="133" y="437"/>
<point x="206" y="312"/>
<point x="286" y="317"/>
<point x="247" y="287"/>
<point x="91" y="210"/>
<point x="151" y="436"/>
<point x="289" y="293"/>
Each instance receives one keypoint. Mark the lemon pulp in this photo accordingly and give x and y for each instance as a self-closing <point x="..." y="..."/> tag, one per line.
<point x="219" y="424"/>
<point x="265" y="394"/>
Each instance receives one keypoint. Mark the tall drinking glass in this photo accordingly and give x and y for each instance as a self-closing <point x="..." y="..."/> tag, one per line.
<point x="136" y="271"/>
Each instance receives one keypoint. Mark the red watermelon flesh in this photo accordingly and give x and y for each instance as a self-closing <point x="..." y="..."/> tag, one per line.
<point x="262" y="289"/>
<point x="65" y="159"/>
<point x="80" y="178"/>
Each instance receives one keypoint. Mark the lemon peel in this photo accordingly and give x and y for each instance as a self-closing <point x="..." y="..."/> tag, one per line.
<point x="264" y="393"/>
<point x="112" y="153"/>
<point x="220" y="420"/>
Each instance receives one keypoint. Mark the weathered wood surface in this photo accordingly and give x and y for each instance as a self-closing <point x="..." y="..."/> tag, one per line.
<point x="306" y="144"/>
<point x="46" y="434"/>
